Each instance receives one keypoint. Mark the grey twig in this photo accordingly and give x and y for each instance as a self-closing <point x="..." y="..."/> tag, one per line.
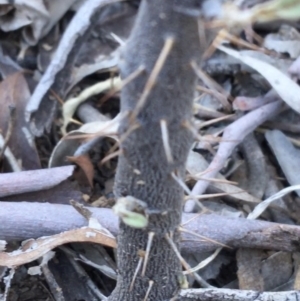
<point x="233" y="135"/>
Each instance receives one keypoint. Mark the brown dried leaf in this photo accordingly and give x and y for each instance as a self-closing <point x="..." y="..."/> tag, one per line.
<point x="86" y="165"/>
<point x="34" y="249"/>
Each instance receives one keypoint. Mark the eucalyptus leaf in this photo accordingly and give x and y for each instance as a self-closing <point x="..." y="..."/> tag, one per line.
<point x="286" y="88"/>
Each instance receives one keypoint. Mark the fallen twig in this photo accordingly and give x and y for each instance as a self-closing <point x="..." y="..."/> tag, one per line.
<point x="20" y="221"/>
<point x="233" y="135"/>
<point x="29" y="181"/>
<point x="236" y="295"/>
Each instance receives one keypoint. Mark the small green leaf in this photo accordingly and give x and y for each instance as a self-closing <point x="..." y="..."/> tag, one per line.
<point x="135" y="220"/>
<point x="277" y="9"/>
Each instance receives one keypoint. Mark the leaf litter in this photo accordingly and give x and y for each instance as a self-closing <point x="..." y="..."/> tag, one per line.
<point x="243" y="164"/>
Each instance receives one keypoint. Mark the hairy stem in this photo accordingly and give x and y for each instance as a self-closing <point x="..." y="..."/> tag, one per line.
<point x="159" y="101"/>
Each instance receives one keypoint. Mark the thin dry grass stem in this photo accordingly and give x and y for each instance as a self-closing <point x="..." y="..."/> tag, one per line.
<point x="196" y="105"/>
<point x="111" y="156"/>
<point x="175" y="249"/>
<point x="213" y="180"/>
<point x="151" y="282"/>
<point x="257" y="37"/>
<point x="57" y="97"/>
<point x="124" y="136"/>
<point x="204" y="237"/>
<point x="118" y="39"/>
<point x="196" y="135"/>
<point x="213" y="85"/>
<point x="75" y="121"/>
<point x="186" y="189"/>
<point x="136" y="273"/>
<point x="203" y="263"/>
<point x="194" y="217"/>
<point x="200" y="107"/>
<point x="125" y="82"/>
<point x="147" y="252"/>
<point x="211" y="49"/>
<point x="213" y="121"/>
<point x="181" y="183"/>
<point x="184" y="263"/>
<point x="199" y="174"/>
<point x="251" y="33"/>
<point x="225" y="35"/>
<point x="213" y="195"/>
<point x="296" y="142"/>
<point x="113" y="72"/>
<point x="263" y="130"/>
<point x="220" y="96"/>
<point x="153" y="76"/>
<point x="209" y="138"/>
<point x="209" y="91"/>
<point x="87" y="136"/>
<point x="165" y="140"/>
<point x="43" y="285"/>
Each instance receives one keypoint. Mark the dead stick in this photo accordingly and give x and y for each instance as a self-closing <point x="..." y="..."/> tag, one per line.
<point x="33" y="180"/>
<point x="232" y="136"/>
<point x="20" y="221"/>
<point x="236" y="295"/>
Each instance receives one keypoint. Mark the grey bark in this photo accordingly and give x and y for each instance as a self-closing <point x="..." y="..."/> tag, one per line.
<point x="24" y="220"/>
<point x="236" y="295"/>
<point x="21" y="182"/>
<point x="171" y="100"/>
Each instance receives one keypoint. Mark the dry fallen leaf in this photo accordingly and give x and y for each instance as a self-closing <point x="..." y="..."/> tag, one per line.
<point x="36" y="17"/>
<point x="197" y="164"/>
<point x="33" y="249"/>
<point x="14" y="92"/>
<point x="287" y="89"/>
<point x="41" y="109"/>
<point x="281" y="146"/>
<point x="71" y="105"/>
<point x="68" y="145"/>
<point x="84" y="162"/>
<point x="260" y="208"/>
